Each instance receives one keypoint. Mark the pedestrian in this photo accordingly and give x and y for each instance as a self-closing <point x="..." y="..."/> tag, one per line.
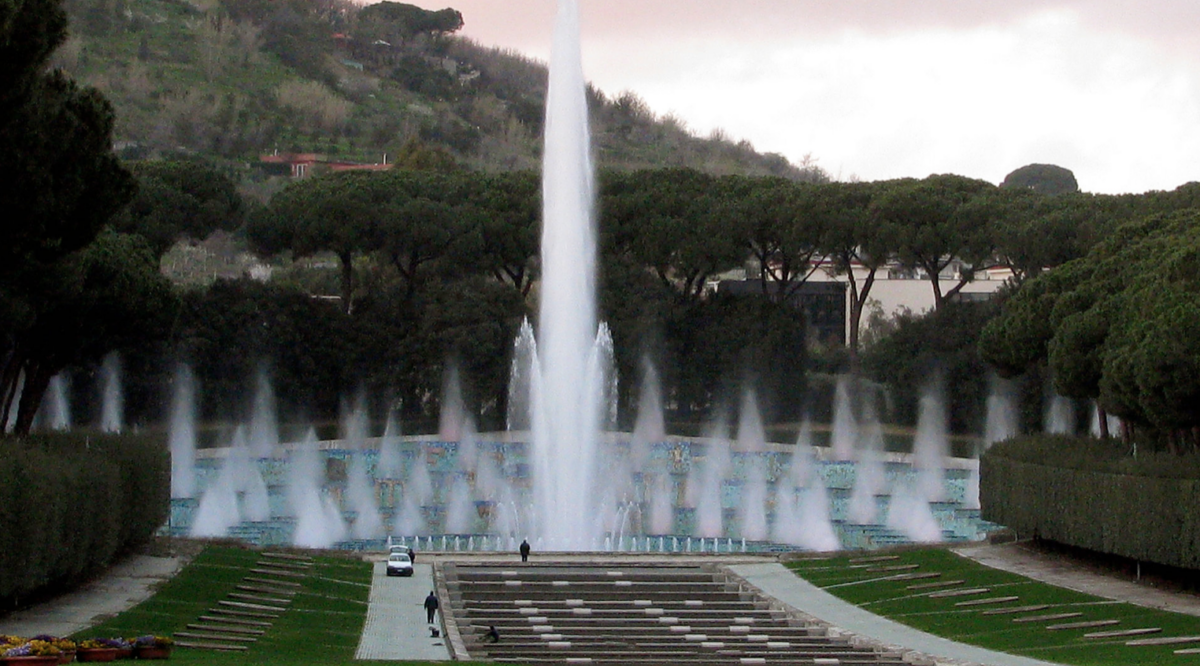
<point x="431" y="606"/>
<point x="525" y="550"/>
<point x="412" y="557"/>
<point x="491" y="636"/>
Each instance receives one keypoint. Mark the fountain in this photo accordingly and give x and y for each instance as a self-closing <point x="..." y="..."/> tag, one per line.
<point x="112" y="399"/>
<point x="559" y="477"/>
<point x="1060" y="416"/>
<point x="182" y="437"/>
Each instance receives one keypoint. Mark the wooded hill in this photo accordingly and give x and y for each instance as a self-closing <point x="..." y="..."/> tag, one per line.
<point x="238" y="78"/>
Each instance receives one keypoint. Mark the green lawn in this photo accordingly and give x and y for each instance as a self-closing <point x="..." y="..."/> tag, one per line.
<point x="321" y="627"/>
<point x="853" y="582"/>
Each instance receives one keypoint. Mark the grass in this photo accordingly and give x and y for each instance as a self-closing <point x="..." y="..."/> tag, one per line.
<point x="321" y="627"/>
<point x="853" y="583"/>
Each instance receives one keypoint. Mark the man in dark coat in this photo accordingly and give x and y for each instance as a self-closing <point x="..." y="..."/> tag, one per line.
<point x="524" y="550"/>
<point x="431" y="606"/>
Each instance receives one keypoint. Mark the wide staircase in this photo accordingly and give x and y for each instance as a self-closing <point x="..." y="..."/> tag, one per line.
<point x="642" y="614"/>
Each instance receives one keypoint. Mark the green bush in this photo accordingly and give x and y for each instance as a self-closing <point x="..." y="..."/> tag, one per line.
<point x="69" y="506"/>
<point x="1093" y="494"/>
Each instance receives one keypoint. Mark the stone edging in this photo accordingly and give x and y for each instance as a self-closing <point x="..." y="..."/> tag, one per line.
<point x="910" y="656"/>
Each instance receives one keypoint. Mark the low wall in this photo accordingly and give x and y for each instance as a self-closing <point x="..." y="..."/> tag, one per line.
<point x="1141" y="512"/>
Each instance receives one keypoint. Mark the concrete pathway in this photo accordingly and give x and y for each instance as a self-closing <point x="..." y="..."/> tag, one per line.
<point x="395" y="628"/>
<point x="1022" y="560"/>
<point x="125" y="585"/>
<point x="777" y="581"/>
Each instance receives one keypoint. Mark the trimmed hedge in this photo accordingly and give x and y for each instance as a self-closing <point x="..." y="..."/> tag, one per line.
<point x="70" y="506"/>
<point x="1094" y="495"/>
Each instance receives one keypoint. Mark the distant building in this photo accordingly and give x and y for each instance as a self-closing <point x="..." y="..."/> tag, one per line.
<point x="825" y="297"/>
<point x="302" y="165"/>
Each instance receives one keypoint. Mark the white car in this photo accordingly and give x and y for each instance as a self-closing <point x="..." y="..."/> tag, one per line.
<point x="398" y="564"/>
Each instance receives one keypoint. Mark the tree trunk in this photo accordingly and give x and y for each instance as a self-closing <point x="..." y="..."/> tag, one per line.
<point x="1103" y="416"/>
<point x="37" y="378"/>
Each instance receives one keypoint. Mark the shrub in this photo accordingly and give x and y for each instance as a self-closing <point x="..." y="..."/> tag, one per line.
<point x="69" y="506"/>
<point x="1092" y="494"/>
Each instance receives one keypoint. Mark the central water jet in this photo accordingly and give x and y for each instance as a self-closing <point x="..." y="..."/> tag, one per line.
<point x="568" y="377"/>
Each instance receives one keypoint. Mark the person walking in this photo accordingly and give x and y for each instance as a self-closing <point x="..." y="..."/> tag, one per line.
<point x="525" y="550"/>
<point x="412" y="557"/>
<point x="431" y="606"/>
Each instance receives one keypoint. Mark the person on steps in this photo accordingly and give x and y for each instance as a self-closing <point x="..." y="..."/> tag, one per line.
<point x="431" y="606"/>
<point x="525" y="550"/>
<point x="491" y="636"/>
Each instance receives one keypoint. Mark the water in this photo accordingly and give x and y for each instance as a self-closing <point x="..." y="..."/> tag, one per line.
<point x="1060" y="416"/>
<point x="264" y="423"/>
<point x="568" y="379"/>
<point x="112" y="398"/>
<point x="843" y="436"/>
<point x="182" y="435"/>
<point x="1002" y="417"/>
<point x="57" y="403"/>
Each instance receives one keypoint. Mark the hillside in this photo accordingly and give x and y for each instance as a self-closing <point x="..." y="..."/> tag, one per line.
<point x="234" y="79"/>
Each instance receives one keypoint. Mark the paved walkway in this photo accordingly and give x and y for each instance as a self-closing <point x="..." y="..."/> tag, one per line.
<point x="125" y="585"/>
<point x="777" y="581"/>
<point x="1021" y="559"/>
<point x="395" y="628"/>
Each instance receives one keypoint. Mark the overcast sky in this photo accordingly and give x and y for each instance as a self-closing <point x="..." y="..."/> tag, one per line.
<point x="889" y="88"/>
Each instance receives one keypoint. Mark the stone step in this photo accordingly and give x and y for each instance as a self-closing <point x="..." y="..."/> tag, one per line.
<point x="258" y="607"/>
<point x="259" y="599"/>
<point x="288" y="556"/>
<point x="271" y="581"/>
<point x="989" y="600"/>
<point x="201" y="645"/>
<point x="242" y="613"/>
<point x="227" y="629"/>
<point x="1083" y="625"/>
<point x="934" y="586"/>
<point x="874" y="558"/>
<point x="234" y="620"/>
<point x="1016" y="609"/>
<point x="278" y="572"/>
<point x="958" y="593"/>
<point x="1121" y="633"/>
<point x="215" y="637"/>
<point x="1165" y="640"/>
<point x="1047" y="617"/>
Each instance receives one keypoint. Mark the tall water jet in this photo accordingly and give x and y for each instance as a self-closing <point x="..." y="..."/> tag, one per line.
<point x="751" y="438"/>
<point x="709" y="491"/>
<point x="566" y="400"/>
<point x="418" y="489"/>
<point x="1003" y="420"/>
<point x="356" y="422"/>
<point x="816" y="528"/>
<point x="520" y="379"/>
<point x="389" y="465"/>
<point x="264" y="422"/>
<point x="218" y="510"/>
<point x="112" y="398"/>
<point x="182" y="437"/>
<point x="649" y="427"/>
<point x="453" y="411"/>
<point x="57" y="403"/>
<point x="251" y="487"/>
<point x="1060" y="416"/>
<point x="361" y="499"/>
<point x="319" y="524"/>
<point x="459" y="507"/>
<point x="931" y="445"/>
<point x="869" y="477"/>
<point x="844" y="432"/>
<point x="662" y="510"/>
<point x="910" y="514"/>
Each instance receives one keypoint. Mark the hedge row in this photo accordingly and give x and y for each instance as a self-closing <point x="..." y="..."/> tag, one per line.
<point x="1096" y="496"/>
<point x="70" y="506"/>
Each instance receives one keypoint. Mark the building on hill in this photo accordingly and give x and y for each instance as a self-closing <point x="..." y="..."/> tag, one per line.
<point x="302" y="165"/>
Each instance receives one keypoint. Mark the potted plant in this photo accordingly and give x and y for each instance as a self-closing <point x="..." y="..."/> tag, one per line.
<point x="32" y="653"/>
<point x="153" y="647"/>
<point x="66" y="647"/>
<point x="96" y="649"/>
